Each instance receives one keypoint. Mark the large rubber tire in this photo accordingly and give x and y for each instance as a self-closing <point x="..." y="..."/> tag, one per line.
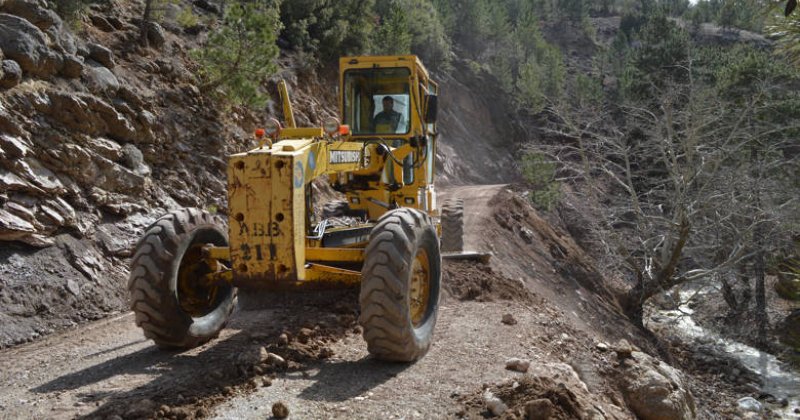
<point x="453" y="225"/>
<point x="153" y="283"/>
<point x="395" y="242"/>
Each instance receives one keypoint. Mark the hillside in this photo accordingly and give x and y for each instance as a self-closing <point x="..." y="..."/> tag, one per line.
<point x="539" y="115"/>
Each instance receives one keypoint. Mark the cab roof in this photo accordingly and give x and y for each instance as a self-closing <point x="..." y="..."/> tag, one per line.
<point x="365" y="61"/>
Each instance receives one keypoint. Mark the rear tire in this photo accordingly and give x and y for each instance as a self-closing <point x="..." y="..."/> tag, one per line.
<point x="177" y="313"/>
<point x="400" y="286"/>
<point x="453" y="225"/>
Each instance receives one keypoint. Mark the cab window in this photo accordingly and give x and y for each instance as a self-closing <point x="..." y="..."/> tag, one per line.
<point x="377" y="101"/>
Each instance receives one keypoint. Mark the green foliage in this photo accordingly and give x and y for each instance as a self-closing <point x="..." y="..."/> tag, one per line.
<point x="327" y="28"/>
<point x="240" y="54"/>
<point x="787" y="32"/>
<point x="661" y="58"/>
<point x="472" y="28"/>
<point x="393" y="35"/>
<point x="412" y="26"/>
<point x="541" y="76"/>
<point x="587" y="91"/>
<point x="530" y="93"/>
<point x="674" y="7"/>
<point x="186" y="18"/>
<point x="540" y="173"/>
<point x="630" y="23"/>
<point x="727" y="15"/>
<point x="68" y="9"/>
<point x="572" y="10"/>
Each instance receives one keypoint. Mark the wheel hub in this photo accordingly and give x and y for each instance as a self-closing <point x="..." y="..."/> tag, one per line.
<point x="195" y="296"/>
<point x="420" y="288"/>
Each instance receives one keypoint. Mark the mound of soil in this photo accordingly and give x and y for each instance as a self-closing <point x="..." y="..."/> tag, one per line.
<point x="542" y="396"/>
<point x="466" y="280"/>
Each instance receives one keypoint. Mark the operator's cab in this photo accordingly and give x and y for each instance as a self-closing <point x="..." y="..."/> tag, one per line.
<point x="390" y="101"/>
<point x="368" y="84"/>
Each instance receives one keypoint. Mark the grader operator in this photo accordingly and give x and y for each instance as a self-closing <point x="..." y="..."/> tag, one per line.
<point x="188" y="266"/>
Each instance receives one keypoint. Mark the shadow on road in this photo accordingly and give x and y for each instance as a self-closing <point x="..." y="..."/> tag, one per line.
<point x="135" y="385"/>
<point x="343" y="380"/>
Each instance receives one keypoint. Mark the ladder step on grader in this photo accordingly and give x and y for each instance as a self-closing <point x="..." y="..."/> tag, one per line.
<point x="379" y="154"/>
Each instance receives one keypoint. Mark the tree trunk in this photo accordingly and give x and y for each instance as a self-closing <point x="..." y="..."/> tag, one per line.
<point x="665" y="279"/>
<point x="148" y="11"/>
<point x="730" y="296"/>
<point x="759" y="266"/>
<point x="761" y="299"/>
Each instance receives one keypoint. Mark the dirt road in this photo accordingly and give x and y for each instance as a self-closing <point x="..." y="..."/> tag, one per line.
<point x="108" y="369"/>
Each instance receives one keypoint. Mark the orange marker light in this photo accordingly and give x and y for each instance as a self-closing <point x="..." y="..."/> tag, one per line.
<point x="344" y="129"/>
<point x="260" y="133"/>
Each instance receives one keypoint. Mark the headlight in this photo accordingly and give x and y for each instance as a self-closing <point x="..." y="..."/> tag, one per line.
<point x="331" y="126"/>
<point x="273" y="128"/>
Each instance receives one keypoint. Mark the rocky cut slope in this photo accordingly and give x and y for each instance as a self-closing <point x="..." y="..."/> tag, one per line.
<point x="93" y="145"/>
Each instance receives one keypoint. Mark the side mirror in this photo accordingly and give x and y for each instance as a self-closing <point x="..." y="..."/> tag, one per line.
<point x="431" y="108"/>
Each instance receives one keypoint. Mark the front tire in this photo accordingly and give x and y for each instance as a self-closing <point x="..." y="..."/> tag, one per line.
<point x="172" y="304"/>
<point x="400" y="286"/>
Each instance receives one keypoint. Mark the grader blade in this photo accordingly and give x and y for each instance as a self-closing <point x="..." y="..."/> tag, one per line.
<point x="482" y="257"/>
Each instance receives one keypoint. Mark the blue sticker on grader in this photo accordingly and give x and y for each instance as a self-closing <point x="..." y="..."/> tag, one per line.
<point x="299" y="176"/>
<point x="312" y="161"/>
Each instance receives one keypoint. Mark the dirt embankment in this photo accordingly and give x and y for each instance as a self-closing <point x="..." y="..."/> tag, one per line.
<point x="478" y="136"/>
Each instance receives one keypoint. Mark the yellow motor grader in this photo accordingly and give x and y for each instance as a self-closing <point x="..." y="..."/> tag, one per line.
<point x="385" y="236"/>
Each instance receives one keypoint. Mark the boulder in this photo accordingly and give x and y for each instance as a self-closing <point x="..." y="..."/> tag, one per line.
<point x="654" y="390"/>
<point x="519" y="365"/>
<point x="13" y="227"/>
<point x="32" y="170"/>
<point x="99" y="79"/>
<point x="14" y="147"/>
<point x="73" y="67"/>
<point x="788" y="286"/>
<point x="32" y="11"/>
<point x="117" y="23"/>
<point x="106" y="148"/>
<point x="27" y="45"/>
<point x="112" y="202"/>
<point x="102" y="23"/>
<point x="101" y="54"/>
<point x="65" y="41"/>
<point x="20" y="210"/>
<point x="790" y="328"/>
<point x="10" y="74"/>
<point x="539" y="409"/>
<point x="90" y="115"/>
<point x="495" y="405"/>
<point x="207" y="6"/>
<point x="749" y="404"/>
<point x="8" y="123"/>
<point x="10" y="181"/>
<point x="156" y="35"/>
<point x="74" y="113"/>
<point x="133" y="159"/>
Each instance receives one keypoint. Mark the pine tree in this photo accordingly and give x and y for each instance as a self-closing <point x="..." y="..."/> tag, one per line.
<point x="240" y="54"/>
<point x="393" y="35"/>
